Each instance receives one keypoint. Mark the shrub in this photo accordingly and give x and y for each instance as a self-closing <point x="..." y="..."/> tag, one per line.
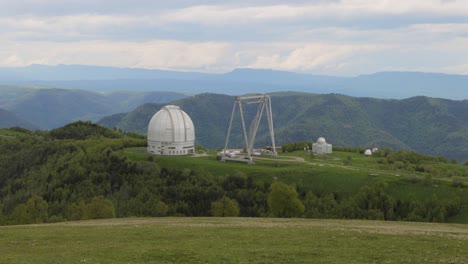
<point x="225" y="207"/>
<point x="283" y="201"/>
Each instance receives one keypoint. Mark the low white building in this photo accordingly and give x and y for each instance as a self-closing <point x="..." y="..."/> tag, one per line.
<point x="171" y="132"/>
<point x="321" y="146"/>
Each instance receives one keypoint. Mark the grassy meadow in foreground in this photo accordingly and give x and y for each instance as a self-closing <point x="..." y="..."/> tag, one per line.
<point x="234" y="240"/>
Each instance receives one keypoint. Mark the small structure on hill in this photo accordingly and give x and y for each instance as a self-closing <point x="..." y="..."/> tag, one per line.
<point x="171" y="132"/>
<point x="321" y="146"/>
<point x="368" y="152"/>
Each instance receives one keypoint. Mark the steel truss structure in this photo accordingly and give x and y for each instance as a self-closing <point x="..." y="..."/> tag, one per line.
<point x="263" y="102"/>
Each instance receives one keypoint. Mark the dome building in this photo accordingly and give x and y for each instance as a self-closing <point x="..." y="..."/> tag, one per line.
<point x="368" y="152"/>
<point x="171" y="132"/>
<point x="321" y="146"/>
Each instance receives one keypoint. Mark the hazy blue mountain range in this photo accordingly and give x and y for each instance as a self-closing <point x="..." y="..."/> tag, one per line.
<point x="423" y="124"/>
<point x="396" y="85"/>
<point x="51" y="108"/>
<point x="9" y="119"/>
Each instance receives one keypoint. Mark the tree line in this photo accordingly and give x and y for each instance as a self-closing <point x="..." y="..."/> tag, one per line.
<point x="81" y="172"/>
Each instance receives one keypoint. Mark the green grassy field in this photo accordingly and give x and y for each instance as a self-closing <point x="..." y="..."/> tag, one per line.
<point x="234" y="240"/>
<point x="322" y="174"/>
<point x="7" y="133"/>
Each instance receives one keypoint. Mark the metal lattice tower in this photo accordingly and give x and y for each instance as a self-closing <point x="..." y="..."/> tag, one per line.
<point x="263" y="102"/>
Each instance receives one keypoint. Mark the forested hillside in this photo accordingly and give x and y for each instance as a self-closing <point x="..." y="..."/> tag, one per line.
<point x="49" y="108"/>
<point x="79" y="172"/>
<point x="427" y="125"/>
<point x="85" y="171"/>
<point x="8" y="119"/>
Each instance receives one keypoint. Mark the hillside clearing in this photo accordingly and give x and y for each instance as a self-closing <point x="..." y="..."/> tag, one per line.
<point x="234" y="240"/>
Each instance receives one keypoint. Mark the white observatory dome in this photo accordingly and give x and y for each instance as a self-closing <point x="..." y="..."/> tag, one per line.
<point x="171" y="132"/>
<point x="321" y="140"/>
<point x="321" y="146"/>
<point x="368" y="152"/>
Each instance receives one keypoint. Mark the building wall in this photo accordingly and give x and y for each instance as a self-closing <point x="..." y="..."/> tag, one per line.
<point x="321" y="148"/>
<point x="171" y="148"/>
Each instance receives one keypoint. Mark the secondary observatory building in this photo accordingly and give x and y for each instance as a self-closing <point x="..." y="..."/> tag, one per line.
<point x="171" y="132"/>
<point x="321" y="146"/>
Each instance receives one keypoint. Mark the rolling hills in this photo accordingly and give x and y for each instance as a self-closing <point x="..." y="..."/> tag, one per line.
<point x="49" y="108"/>
<point x="427" y="125"/>
<point x="9" y="119"/>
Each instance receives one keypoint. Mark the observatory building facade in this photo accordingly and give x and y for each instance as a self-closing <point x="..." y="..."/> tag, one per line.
<point x="321" y="146"/>
<point x="171" y="132"/>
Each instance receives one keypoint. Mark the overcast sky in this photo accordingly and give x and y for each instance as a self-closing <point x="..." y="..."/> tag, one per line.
<point x="332" y="37"/>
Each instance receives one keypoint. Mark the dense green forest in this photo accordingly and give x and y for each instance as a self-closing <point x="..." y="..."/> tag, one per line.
<point x="423" y="124"/>
<point x="81" y="171"/>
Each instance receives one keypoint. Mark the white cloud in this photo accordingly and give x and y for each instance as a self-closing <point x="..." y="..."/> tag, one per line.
<point x="441" y="28"/>
<point x="178" y="55"/>
<point x="319" y="57"/>
<point x="73" y="25"/>
<point x="327" y="37"/>
<point x="161" y="54"/>
<point x="226" y="14"/>
<point x="457" y="69"/>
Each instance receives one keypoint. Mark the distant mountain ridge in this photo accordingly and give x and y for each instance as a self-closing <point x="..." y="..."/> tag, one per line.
<point x="51" y="108"/>
<point x="423" y="124"/>
<point x="397" y="85"/>
<point x="9" y="119"/>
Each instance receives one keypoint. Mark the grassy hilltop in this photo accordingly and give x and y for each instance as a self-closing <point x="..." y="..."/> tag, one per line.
<point x="84" y="171"/>
<point x="234" y="240"/>
<point x="341" y="174"/>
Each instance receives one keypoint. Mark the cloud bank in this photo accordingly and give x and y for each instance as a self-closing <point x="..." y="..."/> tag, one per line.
<point x="347" y="37"/>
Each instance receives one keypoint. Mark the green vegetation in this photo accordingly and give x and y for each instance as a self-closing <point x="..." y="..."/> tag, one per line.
<point x="13" y="132"/>
<point x="47" y="108"/>
<point x="225" y="207"/>
<point x="427" y="125"/>
<point x="234" y="240"/>
<point x="9" y="119"/>
<point x="330" y="189"/>
<point x="283" y="201"/>
<point x="83" y="171"/>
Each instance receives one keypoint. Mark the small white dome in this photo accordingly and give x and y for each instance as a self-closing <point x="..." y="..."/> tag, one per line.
<point x="321" y="140"/>
<point x="368" y="152"/>
<point x="375" y="150"/>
